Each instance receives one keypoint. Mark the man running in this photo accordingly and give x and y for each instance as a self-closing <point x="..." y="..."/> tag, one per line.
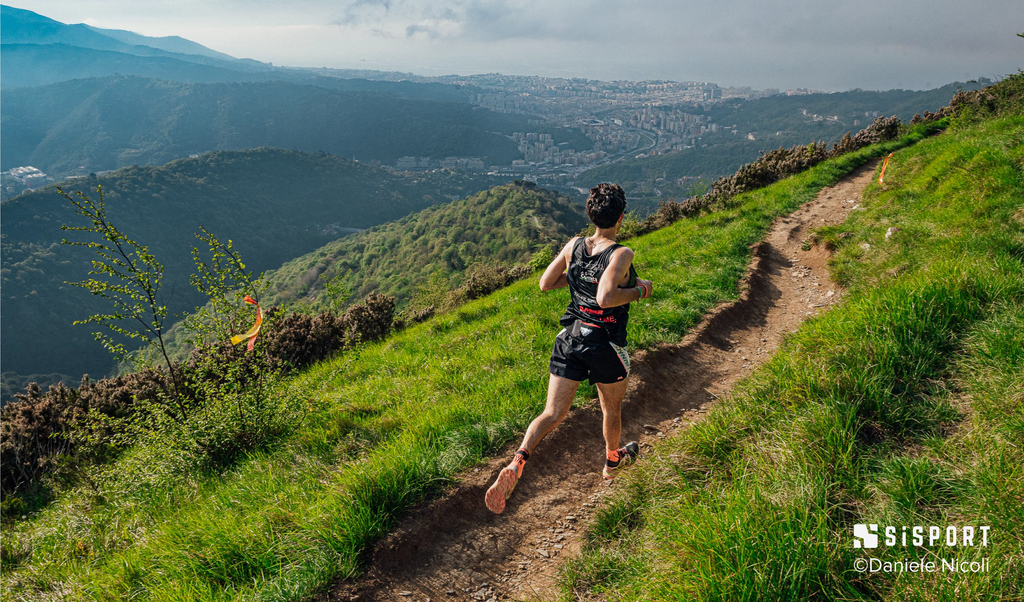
<point x="592" y="344"/>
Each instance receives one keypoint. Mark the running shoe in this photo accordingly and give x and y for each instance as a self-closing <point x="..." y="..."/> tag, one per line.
<point x="503" y="485"/>
<point x="627" y="455"/>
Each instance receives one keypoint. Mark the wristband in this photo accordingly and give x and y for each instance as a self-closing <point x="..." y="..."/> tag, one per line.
<point x="644" y="291"/>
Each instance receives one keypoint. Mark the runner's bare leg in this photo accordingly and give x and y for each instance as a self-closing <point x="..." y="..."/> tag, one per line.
<point x="561" y="392"/>
<point x="611" y="395"/>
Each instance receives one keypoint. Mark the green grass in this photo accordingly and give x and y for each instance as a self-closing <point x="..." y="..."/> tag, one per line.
<point x="391" y="424"/>
<point x="903" y="406"/>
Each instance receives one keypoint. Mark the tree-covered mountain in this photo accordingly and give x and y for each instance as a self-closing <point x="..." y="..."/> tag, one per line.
<point x="504" y="225"/>
<point x="96" y="124"/>
<point x="275" y="204"/>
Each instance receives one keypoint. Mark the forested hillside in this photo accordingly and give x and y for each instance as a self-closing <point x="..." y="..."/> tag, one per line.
<point x="275" y="205"/>
<point x="505" y="225"/>
<point x="89" y="125"/>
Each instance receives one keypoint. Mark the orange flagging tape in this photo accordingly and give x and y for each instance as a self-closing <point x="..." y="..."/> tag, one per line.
<point x="884" y="165"/>
<point x="255" y="330"/>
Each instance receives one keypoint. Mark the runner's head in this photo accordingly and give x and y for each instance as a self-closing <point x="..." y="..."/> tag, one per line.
<point x="606" y="204"/>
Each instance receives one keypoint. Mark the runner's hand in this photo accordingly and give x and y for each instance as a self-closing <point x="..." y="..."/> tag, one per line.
<point x="646" y="288"/>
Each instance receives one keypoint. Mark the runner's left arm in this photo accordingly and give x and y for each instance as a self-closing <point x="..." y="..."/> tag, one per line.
<point x="608" y="292"/>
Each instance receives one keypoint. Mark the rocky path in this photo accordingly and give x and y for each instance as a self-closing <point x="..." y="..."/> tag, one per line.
<point x="455" y="549"/>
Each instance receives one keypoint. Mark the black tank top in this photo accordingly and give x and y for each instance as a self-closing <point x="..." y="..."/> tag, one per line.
<point x="583" y="275"/>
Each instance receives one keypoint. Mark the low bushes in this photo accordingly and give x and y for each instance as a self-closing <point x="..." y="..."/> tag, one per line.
<point x="46" y="435"/>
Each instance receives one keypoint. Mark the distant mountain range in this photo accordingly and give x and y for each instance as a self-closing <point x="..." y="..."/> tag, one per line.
<point x="79" y="99"/>
<point x="38" y="50"/>
<point x="175" y="44"/>
<point x="275" y="204"/>
<point x="24" y="27"/>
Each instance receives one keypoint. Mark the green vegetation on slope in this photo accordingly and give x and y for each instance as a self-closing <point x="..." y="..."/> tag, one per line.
<point x="903" y="406"/>
<point x="275" y="204"/>
<point x="390" y="423"/>
<point x="504" y="225"/>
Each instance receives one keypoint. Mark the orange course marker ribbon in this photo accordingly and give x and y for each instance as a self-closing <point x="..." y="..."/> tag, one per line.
<point x="255" y="330"/>
<point x="884" y="165"/>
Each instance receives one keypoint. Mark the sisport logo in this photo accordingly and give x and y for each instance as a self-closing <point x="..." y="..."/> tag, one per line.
<point x="865" y="538"/>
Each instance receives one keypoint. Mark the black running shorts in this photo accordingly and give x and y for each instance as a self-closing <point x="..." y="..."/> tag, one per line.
<point x="590" y="355"/>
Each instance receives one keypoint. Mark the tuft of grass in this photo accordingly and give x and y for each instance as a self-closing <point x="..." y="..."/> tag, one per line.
<point x="903" y="406"/>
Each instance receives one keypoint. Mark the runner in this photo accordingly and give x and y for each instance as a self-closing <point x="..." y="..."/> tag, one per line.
<point x="592" y="343"/>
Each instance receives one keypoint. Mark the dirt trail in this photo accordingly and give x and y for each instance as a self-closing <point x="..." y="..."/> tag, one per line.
<point x="455" y="549"/>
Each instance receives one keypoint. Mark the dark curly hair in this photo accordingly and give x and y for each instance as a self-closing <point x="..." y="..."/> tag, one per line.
<point x="605" y="204"/>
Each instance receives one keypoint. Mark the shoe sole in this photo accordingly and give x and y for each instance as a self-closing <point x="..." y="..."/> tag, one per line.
<point x="500" y="490"/>
<point x="611" y="473"/>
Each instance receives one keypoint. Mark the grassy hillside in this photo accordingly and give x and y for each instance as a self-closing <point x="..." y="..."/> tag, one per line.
<point x="387" y="425"/>
<point x="275" y="204"/>
<point x="504" y="225"/>
<point x="903" y="406"/>
<point x="104" y="123"/>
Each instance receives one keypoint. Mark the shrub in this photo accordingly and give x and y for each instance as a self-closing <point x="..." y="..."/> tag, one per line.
<point x="370" y="320"/>
<point x="541" y="259"/>
<point x="50" y="435"/>
<point x="483" y="279"/>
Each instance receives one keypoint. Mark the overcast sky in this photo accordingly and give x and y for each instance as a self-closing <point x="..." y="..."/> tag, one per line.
<point x="871" y="44"/>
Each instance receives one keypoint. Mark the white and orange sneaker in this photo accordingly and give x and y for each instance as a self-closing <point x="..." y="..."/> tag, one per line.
<point x="624" y="456"/>
<point x="505" y="483"/>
